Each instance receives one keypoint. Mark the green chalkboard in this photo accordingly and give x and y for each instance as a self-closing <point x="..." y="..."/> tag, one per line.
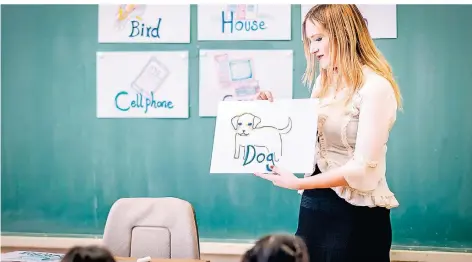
<point x="62" y="168"/>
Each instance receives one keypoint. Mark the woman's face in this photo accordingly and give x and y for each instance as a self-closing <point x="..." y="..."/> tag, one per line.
<point x="319" y="43"/>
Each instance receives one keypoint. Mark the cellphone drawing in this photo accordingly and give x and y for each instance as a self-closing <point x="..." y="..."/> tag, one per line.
<point x="126" y="12"/>
<point x="237" y="77"/>
<point x="151" y="77"/>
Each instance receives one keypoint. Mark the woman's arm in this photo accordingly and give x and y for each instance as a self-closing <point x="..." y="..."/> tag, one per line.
<point x="377" y="110"/>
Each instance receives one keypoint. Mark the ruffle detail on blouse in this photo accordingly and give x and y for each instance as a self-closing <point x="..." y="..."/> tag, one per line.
<point x="358" y="198"/>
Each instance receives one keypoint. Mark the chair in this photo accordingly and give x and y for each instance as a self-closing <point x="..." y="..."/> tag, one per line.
<point x="156" y="227"/>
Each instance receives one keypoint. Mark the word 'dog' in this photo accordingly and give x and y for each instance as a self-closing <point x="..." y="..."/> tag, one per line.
<point x="252" y="155"/>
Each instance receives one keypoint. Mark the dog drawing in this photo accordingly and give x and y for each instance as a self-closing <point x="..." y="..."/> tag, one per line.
<point x="248" y="132"/>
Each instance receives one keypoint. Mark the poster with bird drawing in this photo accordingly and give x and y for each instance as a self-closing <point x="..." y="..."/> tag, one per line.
<point x="141" y="23"/>
<point x="253" y="136"/>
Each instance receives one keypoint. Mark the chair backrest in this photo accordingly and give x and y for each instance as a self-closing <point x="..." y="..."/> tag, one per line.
<point x="156" y="227"/>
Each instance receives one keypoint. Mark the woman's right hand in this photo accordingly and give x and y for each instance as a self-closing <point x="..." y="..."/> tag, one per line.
<point x="265" y="95"/>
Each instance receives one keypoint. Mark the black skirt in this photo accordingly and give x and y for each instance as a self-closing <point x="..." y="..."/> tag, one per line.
<point x="337" y="231"/>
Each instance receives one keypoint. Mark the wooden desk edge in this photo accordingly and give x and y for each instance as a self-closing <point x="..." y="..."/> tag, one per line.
<point x="129" y="259"/>
<point x="117" y="258"/>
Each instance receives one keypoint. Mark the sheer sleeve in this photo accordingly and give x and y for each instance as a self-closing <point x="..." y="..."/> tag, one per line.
<point x="377" y="112"/>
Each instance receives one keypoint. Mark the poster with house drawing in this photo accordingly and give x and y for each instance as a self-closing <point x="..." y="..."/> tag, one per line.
<point x="227" y="75"/>
<point x="244" y="22"/>
<point x="252" y="136"/>
<point x="141" y="23"/>
<point x="381" y="19"/>
<point x="142" y="84"/>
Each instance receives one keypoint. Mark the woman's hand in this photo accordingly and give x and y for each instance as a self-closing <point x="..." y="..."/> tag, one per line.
<point x="282" y="178"/>
<point x="265" y="95"/>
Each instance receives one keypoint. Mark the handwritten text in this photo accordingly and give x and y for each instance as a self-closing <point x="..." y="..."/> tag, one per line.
<point x="141" y="29"/>
<point x="126" y="105"/>
<point x="246" y="25"/>
<point x="252" y="155"/>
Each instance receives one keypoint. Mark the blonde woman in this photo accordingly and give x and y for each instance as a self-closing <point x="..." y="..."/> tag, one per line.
<point x="345" y="207"/>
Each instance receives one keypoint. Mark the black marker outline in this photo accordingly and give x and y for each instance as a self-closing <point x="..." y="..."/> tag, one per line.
<point x="255" y="126"/>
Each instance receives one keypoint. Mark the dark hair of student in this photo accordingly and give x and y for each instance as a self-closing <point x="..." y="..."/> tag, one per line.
<point x="277" y="248"/>
<point x="88" y="254"/>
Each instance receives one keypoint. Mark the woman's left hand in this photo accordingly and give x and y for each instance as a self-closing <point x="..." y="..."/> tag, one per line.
<point x="282" y="178"/>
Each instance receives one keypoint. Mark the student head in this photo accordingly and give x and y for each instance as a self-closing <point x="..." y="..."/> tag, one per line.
<point x="337" y="38"/>
<point x="88" y="254"/>
<point x="277" y="248"/>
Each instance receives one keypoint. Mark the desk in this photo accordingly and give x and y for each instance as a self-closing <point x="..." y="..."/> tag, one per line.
<point x="118" y="259"/>
<point x="131" y="259"/>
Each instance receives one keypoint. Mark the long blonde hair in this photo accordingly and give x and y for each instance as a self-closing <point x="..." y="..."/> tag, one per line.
<point x="351" y="47"/>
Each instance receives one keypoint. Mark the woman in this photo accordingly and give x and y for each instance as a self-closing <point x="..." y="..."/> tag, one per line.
<point x="277" y="248"/>
<point x="345" y="207"/>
